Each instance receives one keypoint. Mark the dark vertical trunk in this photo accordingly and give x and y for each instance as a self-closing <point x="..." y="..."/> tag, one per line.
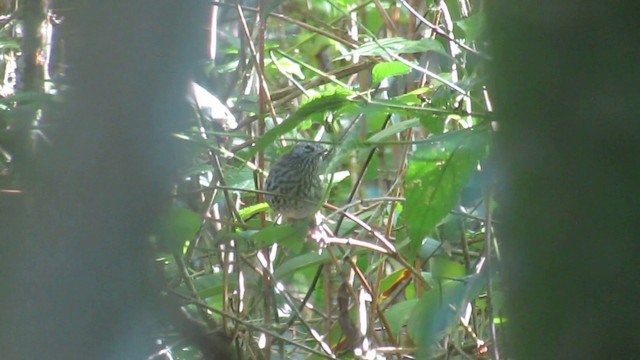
<point x="74" y="270"/>
<point x="566" y="81"/>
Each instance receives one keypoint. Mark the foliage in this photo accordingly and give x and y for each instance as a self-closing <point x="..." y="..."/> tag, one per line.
<point x="405" y="247"/>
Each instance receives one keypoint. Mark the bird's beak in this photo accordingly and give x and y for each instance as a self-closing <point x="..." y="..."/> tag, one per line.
<point x="324" y="153"/>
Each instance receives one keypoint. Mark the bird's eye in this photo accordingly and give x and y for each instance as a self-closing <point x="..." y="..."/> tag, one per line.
<point x="309" y="148"/>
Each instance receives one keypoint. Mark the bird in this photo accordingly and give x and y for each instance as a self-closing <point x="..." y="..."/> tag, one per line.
<point x="294" y="189"/>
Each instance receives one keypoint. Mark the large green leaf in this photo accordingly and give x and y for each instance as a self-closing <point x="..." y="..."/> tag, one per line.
<point x="443" y="267"/>
<point x="393" y="129"/>
<point x="398" y="314"/>
<point x="396" y="45"/>
<point x="473" y="26"/>
<point x="324" y="103"/>
<point x="439" y="309"/>
<point x="436" y="174"/>
<point x="388" y="69"/>
<point x="176" y="227"/>
<point x="297" y="263"/>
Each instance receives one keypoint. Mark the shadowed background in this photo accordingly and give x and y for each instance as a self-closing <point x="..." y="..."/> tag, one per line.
<point x="75" y="275"/>
<point x="566" y="94"/>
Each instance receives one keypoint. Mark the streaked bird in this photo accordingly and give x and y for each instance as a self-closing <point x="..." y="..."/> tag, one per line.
<point x="294" y="181"/>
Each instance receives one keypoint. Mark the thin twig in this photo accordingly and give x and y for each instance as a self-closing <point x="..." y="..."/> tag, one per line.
<point x="440" y="32"/>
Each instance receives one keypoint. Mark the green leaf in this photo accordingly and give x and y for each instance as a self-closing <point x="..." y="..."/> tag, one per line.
<point x="473" y="26"/>
<point x="388" y="69"/>
<point x="297" y="263"/>
<point x="445" y="268"/>
<point x="391" y="281"/>
<point x="432" y="121"/>
<point x="291" y="236"/>
<point x="176" y="227"/>
<point x="241" y="178"/>
<point x="430" y="247"/>
<point x="211" y="284"/>
<point x="322" y="104"/>
<point x="436" y="174"/>
<point x="393" y="129"/>
<point x="290" y="67"/>
<point x="400" y="106"/>
<point x="9" y="44"/>
<point x="398" y="314"/>
<point x="413" y="97"/>
<point x="438" y="311"/>
<point x="396" y="45"/>
<point x="253" y="209"/>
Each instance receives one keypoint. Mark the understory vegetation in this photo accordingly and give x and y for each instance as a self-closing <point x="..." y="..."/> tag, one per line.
<point x="404" y="262"/>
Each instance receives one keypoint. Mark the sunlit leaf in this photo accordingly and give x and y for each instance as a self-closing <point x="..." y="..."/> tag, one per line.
<point x="388" y="69"/>
<point x="290" y="67"/>
<point x="248" y="211"/>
